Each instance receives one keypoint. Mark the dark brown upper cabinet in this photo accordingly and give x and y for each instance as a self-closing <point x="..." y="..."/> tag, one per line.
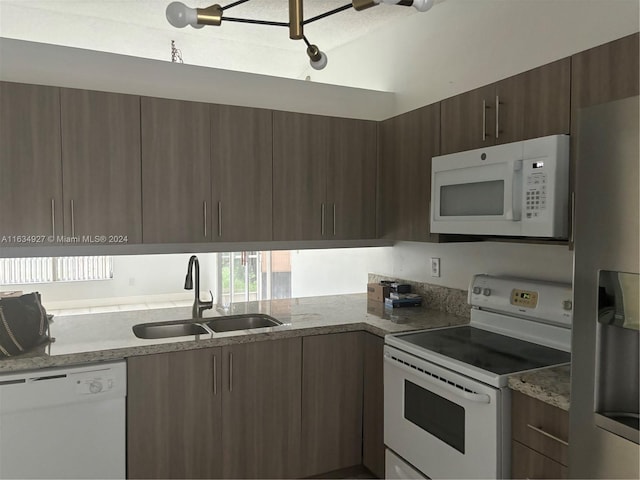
<point x="324" y="177"/>
<point x="299" y="176"/>
<point x="407" y="144"/>
<point x="30" y="163"/>
<point x="351" y="180"/>
<point x="533" y="104"/>
<point x="176" y="171"/>
<point x="101" y="164"/>
<point x="605" y="73"/>
<point x="241" y="171"/>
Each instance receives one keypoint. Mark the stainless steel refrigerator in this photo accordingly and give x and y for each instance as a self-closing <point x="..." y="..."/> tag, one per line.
<point x="603" y="440"/>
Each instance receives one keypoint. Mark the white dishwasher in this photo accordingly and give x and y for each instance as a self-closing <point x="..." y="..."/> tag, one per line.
<point x="64" y="422"/>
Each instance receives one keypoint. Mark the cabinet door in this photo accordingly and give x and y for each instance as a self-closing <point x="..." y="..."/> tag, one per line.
<point x="101" y="161"/>
<point x="465" y="123"/>
<point x="299" y="176"/>
<point x="351" y="181"/>
<point x="174" y="417"/>
<point x="547" y="100"/>
<point x="176" y="167"/>
<point x="30" y="165"/>
<point x="605" y="73"/>
<point x="241" y="171"/>
<point x="261" y="405"/>
<point x="527" y="463"/>
<point x="507" y="110"/>
<point x="407" y="144"/>
<point x="373" y="406"/>
<point x="331" y="402"/>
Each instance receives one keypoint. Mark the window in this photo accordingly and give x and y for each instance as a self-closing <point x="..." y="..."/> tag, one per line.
<point x="250" y="276"/>
<point x="18" y="271"/>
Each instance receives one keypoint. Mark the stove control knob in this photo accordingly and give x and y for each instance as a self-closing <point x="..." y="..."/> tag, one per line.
<point x="477" y="290"/>
<point x="95" y="386"/>
<point x="486" y="292"/>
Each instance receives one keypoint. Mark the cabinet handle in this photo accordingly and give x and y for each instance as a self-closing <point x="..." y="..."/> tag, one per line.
<point x="219" y="219"/>
<point x="573" y="217"/>
<point x="484" y="120"/>
<point x="53" y="217"/>
<point x="73" y="221"/>
<point x="215" y="375"/>
<point x="334" y="219"/>
<point x="497" y="116"/>
<point x="547" y="434"/>
<point x="230" y="372"/>
<point x="322" y="219"/>
<point x="204" y="218"/>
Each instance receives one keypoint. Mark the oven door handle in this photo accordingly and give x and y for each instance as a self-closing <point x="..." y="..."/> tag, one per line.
<point x="439" y="381"/>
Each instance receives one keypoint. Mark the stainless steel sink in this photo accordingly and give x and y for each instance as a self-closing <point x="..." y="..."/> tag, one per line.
<point x="169" y="329"/>
<point x="182" y="328"/>
<point x="242" y="322"/>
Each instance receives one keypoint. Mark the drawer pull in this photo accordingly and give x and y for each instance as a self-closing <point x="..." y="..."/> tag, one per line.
<point x="547" y="434"/>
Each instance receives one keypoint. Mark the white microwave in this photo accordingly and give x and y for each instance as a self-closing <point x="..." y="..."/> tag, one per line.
<point x="516" y="189"/>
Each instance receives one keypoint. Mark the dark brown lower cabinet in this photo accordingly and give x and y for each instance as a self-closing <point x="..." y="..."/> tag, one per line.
<point x="332" y="372"/>
<point x="261" y="409"/>
<point x="540" y="435"/>
<point x="174" y="415"/>
<point x="231" y="412"/>
<point x="527" y="463"/>
<point x="373" y="406"/>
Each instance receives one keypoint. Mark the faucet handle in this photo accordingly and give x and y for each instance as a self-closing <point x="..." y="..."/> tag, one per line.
<point x="210" y="302"/>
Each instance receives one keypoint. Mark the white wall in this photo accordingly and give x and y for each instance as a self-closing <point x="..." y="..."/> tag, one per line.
<point x="462" y="44"/>
<point x="337" y="271"/>
<point x="459" y="261"/>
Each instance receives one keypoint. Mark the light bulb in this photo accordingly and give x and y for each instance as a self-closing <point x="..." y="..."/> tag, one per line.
<point x="179" y="15"/>
<point x="320" y="63"/>
<point x="422" y="5"/>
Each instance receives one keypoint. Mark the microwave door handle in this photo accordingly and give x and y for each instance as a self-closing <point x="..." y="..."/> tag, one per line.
<point x="440" y="382"/>
<point x="514" y="210"/>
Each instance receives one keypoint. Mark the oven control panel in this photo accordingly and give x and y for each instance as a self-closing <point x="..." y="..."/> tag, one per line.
<point x="546" y="301"/>
<point x="524" y="298"/>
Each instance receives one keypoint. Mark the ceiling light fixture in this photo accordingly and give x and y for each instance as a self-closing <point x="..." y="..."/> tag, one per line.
<point x="179" y="15"/>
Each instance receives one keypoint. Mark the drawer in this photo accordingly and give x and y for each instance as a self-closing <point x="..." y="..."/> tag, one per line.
<point x="527" y="463"/>
<point x="540" y="426"/>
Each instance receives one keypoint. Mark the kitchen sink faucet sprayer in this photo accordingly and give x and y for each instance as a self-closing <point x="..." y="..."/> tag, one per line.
<point x="198" y="305"/>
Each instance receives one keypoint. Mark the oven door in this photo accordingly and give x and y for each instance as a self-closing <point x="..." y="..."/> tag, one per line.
<point x="443" y="423"/>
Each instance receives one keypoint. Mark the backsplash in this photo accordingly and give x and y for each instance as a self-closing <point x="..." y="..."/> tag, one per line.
<point x="445" y="299"/>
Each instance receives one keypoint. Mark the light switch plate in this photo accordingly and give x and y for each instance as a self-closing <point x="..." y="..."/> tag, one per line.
<point x="435" y="267"/>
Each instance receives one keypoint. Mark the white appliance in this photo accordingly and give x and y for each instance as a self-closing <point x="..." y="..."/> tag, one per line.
<point x="447" y="404"/>
<point x="64" y="423"/>
<point x="515" y="189"/>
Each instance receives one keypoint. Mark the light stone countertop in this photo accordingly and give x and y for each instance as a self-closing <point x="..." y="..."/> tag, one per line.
<point x="108" y="336"/>
<point x="549" y="385"/>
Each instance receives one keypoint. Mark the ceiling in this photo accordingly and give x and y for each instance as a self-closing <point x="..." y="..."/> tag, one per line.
<point x="139" y="28"/>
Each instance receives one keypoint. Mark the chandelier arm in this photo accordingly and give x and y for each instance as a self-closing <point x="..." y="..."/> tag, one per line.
<point x="234" y="4"/>
<point x="326" y="14"/>
<point x="258" y="22"/>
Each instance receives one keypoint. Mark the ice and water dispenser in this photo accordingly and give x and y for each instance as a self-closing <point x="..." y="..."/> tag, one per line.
<point x="617" y="366"/>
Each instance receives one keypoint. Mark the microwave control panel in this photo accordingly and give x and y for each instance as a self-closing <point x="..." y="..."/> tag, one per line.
<point x="536" y="191"/>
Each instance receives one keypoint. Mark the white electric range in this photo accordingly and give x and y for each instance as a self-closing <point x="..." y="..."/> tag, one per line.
<point x="447" y="404"/>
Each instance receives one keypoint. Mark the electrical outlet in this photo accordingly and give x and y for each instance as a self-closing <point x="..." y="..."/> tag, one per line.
<point x="435" y="267"/>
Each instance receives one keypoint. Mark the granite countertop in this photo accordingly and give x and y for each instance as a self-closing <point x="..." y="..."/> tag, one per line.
<point x="108" y="336"/>
<point x="549" y="385"/>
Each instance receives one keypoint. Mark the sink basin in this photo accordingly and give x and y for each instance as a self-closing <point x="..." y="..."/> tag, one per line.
<point x="204" y="326"/>
<point x="168" y="329"/>
<point x="242" y="322"/>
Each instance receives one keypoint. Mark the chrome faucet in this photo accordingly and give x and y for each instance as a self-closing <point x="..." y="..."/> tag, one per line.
<point x="198" y="305"/>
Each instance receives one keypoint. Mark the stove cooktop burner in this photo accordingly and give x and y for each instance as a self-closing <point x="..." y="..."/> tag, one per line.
<point x="486" y="350"/>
